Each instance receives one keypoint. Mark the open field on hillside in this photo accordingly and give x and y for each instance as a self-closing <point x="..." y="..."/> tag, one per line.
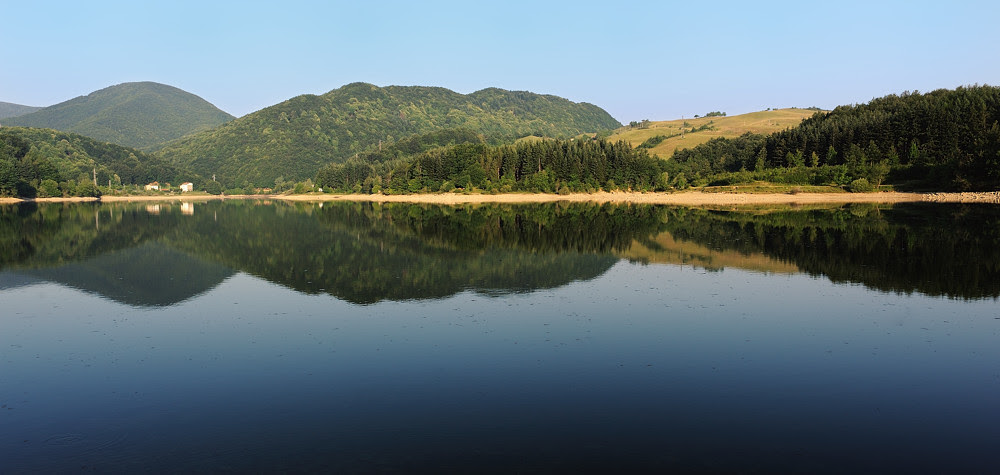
<point x="763" y="122"/>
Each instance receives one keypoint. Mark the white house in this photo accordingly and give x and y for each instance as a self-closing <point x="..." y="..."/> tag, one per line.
<point x="188" y="186"/>
<point x="154" y="186"/>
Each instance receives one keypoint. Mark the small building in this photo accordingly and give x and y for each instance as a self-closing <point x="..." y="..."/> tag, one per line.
<point x="154" y="186"/>
<point x="187" y="186"/>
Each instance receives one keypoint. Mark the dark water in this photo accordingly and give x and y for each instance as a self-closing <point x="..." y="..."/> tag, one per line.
<point x="264" y="337"/>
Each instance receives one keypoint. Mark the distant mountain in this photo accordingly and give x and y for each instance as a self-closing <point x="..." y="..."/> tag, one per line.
<point x="295" y="138"/>
<point x="142" y="115"/>
<point x="13" y="110"/>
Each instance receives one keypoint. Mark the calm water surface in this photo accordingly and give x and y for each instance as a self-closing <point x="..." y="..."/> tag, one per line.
<point x="257" y="336"/>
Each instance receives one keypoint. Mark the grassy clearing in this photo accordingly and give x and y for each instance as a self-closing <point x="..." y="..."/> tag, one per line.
<point x="763" y="122"/>
<point x="529" y="139"/>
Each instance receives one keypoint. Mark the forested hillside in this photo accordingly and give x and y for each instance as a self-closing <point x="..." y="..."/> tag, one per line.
<point x="293" y="139"/>
<point x="141" y="115"/>
<point x="48" y="163"/>
<point x="942" y="140"/>
<point x="8" y="109"/>
<point x="577" y="165"/>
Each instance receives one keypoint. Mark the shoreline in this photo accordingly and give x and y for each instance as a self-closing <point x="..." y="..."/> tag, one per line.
<point x="685" y="198"/>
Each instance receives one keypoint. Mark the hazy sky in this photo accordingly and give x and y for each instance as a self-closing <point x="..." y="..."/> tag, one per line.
<point x="637" y="60"/>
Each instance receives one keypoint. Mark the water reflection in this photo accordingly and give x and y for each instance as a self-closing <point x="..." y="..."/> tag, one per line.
<point x="366" y="253"/>
<point x="564" y="338"/>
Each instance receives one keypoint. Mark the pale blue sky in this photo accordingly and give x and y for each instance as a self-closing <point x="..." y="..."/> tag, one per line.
<point x="637" y="60"/>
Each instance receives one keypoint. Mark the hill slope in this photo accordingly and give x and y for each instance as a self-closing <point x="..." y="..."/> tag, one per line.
<point x="29" y="156"/>
<point x="295" y="138"/>
<point x="8" y="109"/>
<point x="941" y="140"/>
<point x="677" y="134"/>
<point x="138" y="114"/>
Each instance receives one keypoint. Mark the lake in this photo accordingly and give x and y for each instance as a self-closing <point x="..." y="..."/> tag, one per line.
<point x="258" y="336"/>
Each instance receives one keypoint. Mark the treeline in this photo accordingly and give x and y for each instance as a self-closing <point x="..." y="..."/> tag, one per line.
<point x="548" y="166"/>
<point x="48" y="163"/>
<point x="946" y="139"/>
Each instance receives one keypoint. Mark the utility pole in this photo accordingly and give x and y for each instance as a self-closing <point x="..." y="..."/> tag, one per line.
<point x="95" y="177"/>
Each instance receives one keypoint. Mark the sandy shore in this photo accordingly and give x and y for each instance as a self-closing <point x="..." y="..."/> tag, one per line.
<point x="688" y="198"/>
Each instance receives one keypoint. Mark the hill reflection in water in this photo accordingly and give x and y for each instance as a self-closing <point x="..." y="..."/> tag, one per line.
<point x="164" y="253"/>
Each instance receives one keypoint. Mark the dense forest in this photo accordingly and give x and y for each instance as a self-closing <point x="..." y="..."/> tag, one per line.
<point x="548" y="166"/>
<point x="49" y="163"/>
<point x="293" y="139"/>
<point x="143" y="115"/>
<point x="942" y="140"/>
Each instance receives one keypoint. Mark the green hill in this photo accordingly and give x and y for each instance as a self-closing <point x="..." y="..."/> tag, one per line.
<point x="293" y="139"/>
<point x="941" y="140"/>
<point x="142" y="115"/>
<point x="13" y="110"/>
<point x="30" y="156"/>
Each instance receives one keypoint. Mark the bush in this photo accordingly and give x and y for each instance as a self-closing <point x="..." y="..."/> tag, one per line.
<point x="26" y="190"/>
<point x="213" y="187"/>
<point x="49" y="189"/>
<point x="861" y="185"/>
<point x="87" y="189"/>
<point x="680" y="182"/>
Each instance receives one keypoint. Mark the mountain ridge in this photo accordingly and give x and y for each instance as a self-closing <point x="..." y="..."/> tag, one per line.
<point x="9" y="109"/>
<point x="142" y="115"/>
<point x="293" y="139"/>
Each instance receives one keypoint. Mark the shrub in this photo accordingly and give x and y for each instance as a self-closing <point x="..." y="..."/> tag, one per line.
<point x="213" y="187"/>
<point x="87" y="189"/>
<point x="861" y="185"/>
<point x="49" y="189"/>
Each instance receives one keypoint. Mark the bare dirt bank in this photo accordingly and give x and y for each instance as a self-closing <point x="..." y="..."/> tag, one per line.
<point x="688" y="198"/>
